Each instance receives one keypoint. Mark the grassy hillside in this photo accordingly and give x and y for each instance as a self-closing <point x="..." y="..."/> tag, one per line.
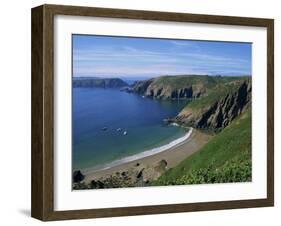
<point x="219" y="91"/>
<point x="225" y="158"/>
<point x="181" y="81"/>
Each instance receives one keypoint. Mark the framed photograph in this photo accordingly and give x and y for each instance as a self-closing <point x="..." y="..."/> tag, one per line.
<point x="141" y="112"/>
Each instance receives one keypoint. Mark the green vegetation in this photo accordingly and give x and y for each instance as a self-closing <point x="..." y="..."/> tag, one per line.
<point x="225" y="158"/>
<point x="182" y="81"/>
<point x="219" y="91"/>
<point x="234" y="171"/>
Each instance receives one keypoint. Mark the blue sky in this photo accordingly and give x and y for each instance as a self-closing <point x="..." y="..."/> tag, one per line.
<point x="106" y="56"/>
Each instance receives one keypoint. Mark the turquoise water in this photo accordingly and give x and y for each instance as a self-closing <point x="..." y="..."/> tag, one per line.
<point x="142" y="119"/>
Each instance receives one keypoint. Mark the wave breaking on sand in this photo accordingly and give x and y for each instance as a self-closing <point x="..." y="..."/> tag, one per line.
<point x="141" y="155"/>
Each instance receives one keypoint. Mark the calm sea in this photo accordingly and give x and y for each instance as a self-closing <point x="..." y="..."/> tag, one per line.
<point x="109" y="125"/>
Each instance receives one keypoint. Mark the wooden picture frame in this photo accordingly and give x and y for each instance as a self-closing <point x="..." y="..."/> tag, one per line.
<point x="43" y="112"/>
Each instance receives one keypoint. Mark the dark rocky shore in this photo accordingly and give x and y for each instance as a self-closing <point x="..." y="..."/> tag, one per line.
<point x="137" y="176"/>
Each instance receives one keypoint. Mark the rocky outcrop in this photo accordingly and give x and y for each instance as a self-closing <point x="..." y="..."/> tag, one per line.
<point x="218" y="114"/>
<point x="77" y="176"/>
<point x="160" y="89"/>
<point x="99" y="83"/>
<point x="169" y="92"/>
<point x="180" y="86"/>
<point x="140" y="87"/>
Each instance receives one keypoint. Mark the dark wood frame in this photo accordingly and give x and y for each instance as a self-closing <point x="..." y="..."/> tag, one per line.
<point x="42" y="203"/>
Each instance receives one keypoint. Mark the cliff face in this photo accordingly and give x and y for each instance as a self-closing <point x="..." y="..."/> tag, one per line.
<point x="99" y="83"/>
<point x="168" y="92"/>
<point x="170" y="88"/>
<point x="140" y="87"/>
<point x="179" y="87"/>
<point x="216" y="113"/>
<point x="216" y="100"/>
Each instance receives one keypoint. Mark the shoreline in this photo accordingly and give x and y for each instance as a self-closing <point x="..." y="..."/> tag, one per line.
<point x="141" y="155"/>
<point x="152" y="166"/>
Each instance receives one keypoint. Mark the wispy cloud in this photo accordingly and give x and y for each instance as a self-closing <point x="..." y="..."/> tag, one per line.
<point x="187" y="44"/>
<point x="172" y="57"/>
<point x="151" y="70"/>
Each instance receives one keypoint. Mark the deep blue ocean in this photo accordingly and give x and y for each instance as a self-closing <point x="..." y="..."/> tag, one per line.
<point x="109" y="125"/>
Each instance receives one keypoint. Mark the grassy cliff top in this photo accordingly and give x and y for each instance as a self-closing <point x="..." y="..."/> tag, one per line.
<point x="182" y="81"/>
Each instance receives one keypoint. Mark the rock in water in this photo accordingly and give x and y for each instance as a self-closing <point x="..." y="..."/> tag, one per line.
<point x="78" y="176"/>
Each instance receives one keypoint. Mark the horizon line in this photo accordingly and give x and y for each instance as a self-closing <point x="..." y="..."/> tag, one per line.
<point x="124" y="76"/>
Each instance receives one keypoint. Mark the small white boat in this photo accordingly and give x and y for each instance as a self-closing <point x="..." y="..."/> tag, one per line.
<point x="125" y="133"/>
<point x="143" y="96"/>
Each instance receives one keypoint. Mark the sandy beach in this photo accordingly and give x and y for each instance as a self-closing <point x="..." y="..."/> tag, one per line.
<point x="170" y="157"/>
